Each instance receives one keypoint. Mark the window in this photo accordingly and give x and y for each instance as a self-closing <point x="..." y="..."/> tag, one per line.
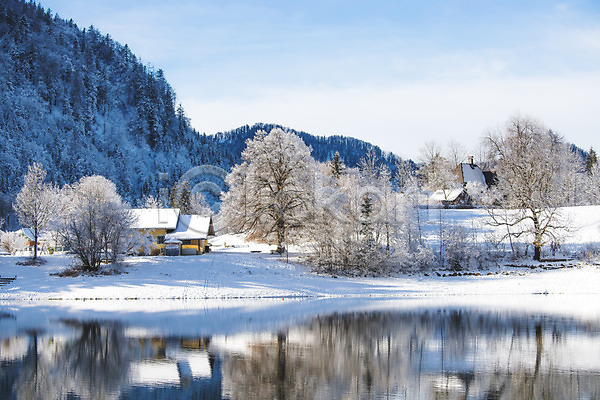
<point x="160" y="239"/>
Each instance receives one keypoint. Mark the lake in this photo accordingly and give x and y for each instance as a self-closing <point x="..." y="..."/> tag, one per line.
<point x="531" y="347"/>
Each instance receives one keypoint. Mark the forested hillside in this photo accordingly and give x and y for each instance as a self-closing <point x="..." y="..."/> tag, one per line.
<point x="350" y="149"/>
<point x="81" y="103"/>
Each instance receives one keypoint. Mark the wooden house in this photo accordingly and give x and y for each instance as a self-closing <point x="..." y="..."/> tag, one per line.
<point x="470" y="173"/>
<point x="193" y="232"/>
<point x="155" y="224"/>
<point x="30" y="237"/>
<point x="451" y="197"/>
<point x="47" y="241"/>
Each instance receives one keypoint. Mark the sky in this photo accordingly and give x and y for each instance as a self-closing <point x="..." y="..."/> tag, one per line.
<point x="396" y="73"/>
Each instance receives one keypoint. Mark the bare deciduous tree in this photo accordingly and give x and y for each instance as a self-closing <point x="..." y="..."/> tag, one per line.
<point x="530" y="161"/>
<point x="455" y="153"/>
<point x="436" y="172"/>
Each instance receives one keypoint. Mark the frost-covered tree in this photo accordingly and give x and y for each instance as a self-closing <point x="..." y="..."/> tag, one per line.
<point x="388" y="210"/>
<point x="593" y="185"/>
<point x="152" y="202"/>
<point x="346" y="226"/>
<point x="184" y="197"/>
<point x="272" y="189"/>
<point x="198" y="204"/>
<point x="181" y="197"/>
<point x="572" y="179"/>
<point x="36" y="202"/>
<point x="96" y="222"/>
<point x="437" y="171"/>
<point x="174" y="196"/>
<point x="12" y="241"/>
<point x="455" y="153"/>
<point x="530" y="161"/>
<point x="362" y="225"/>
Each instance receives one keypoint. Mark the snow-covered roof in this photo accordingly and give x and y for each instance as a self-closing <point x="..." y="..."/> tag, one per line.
<point x="155" y="218"/>
<point x="446" y="195"/>
<point x="471" y="173"/>
<point x="154" y="372"/>
<point x="192" y="364"/>
<point x="192" y="227"/>
<point x="30" y="234"/>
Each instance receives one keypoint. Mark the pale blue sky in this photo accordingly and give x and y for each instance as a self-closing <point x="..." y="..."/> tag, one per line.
<point x="395" y="73"/>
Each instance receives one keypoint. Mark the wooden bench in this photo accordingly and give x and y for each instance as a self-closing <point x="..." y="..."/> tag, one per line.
<point x="6" y="281"/>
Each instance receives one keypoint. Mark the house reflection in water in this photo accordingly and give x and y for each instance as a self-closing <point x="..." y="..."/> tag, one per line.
<point x="105" y="361"/>
<point x="172" y="368"/>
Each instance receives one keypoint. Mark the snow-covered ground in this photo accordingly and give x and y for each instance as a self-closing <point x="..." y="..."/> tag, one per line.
<point x="241" y="270"/>
<point x="583" y="226"/>
<point x="238" y="273"/>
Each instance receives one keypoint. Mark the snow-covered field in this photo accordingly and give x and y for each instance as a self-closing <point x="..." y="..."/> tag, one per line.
<point x="238" y="273"/>
<point x="243" y="270"/>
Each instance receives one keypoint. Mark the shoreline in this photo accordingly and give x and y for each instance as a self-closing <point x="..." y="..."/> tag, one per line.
<point x="232" y="275"/>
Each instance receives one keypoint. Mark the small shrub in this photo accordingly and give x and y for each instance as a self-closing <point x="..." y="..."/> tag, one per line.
<point x="32" y="262"/>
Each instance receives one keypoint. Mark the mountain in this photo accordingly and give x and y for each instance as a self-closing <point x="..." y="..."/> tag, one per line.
<point x="350" y="149"/>
<point x="81" y="103"/>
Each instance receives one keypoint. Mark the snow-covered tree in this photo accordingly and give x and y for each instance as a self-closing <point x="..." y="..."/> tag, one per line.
<point x="437" y="171"/>
<point x="184" y="197"/>
<point x="572" y="179"/>
<point x="353" y="226"/>
<point x="530" y="160"/>
<point x="189" y="203"/>
<point x="198" y="204"/>
<point x="455" y="153"/>
<point x="96" y="222"/>
<point x="272" y="189"/>
<point x="174" y="196"/>
<point x="152" y="202"/>
<point x="36" y="202"/>
<point x="593" y="184"/>
<point x="388" y="210"/>
<point x="12" y="241"/>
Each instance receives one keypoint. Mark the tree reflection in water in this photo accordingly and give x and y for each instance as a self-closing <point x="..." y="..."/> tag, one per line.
<point x="445" y="354"/>
<point x="93" y="364"/>
<point x="421" y="354"/>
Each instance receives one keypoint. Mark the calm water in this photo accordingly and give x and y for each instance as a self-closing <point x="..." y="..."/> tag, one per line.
<point x="302" y="350"/>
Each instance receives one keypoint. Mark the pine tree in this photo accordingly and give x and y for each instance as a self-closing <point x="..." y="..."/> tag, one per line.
<point x="337" y="166"/>
<point x="184" y="198"/>
<point x="590" y="161"/>
<point x="368" y="256"/>
<point x="366" y="211"/>
<point x="174" y="197"/>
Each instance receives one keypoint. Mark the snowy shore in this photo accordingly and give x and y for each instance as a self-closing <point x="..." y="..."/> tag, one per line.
<point x="239" y="274"/>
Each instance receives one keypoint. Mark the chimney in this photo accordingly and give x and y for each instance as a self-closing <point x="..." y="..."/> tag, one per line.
<point x="470" y="160"/>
